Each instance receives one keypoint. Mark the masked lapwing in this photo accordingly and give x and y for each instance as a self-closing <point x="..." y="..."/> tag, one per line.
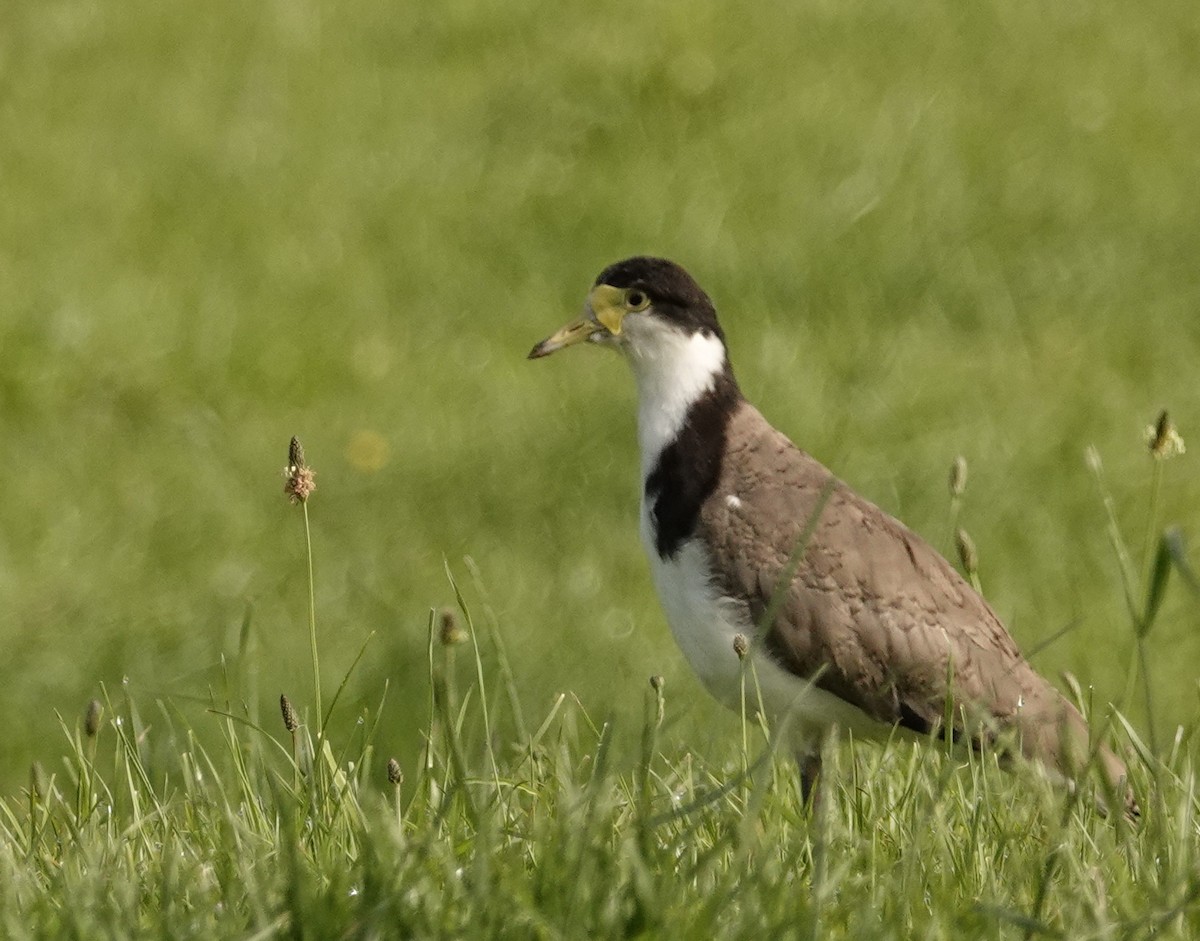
<point x="870" y="629"/>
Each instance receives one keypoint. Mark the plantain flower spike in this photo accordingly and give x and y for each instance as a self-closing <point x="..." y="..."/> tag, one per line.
<point x="449" y="630"/>
<point x="1163" y="438"/>
<point x="91" y="718"/>
<point x="958" y="476"/>
<point x="299" y="482"/>
<point x="291" y="721"/>
<point x="968" y="555"/>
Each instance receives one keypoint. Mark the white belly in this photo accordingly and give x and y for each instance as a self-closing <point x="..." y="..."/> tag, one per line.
<point x="704" y="625"/>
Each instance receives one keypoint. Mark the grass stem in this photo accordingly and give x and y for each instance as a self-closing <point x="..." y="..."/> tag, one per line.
<point x="312" y="631"/>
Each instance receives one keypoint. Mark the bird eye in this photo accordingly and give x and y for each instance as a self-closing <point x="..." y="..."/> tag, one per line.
<point x="637" y="300"/>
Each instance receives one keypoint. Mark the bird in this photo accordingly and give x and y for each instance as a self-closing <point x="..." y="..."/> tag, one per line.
<point x="848" y="617"/>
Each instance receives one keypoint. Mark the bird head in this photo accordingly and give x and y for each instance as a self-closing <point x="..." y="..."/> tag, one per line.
<point x="638" y="306"/>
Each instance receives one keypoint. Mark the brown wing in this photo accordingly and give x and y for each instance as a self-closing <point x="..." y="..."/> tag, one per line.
<point x="872" y="605"/>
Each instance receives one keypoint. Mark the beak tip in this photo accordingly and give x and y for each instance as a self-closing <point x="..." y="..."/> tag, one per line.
<point x="538" y="351"/>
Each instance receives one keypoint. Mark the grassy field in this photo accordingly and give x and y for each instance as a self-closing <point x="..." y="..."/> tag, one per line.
<point x="930" y="229"/>
<point x="546" y="838"/>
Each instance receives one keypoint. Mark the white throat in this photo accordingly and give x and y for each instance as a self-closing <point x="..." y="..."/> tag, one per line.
<point x="672" y="370"/>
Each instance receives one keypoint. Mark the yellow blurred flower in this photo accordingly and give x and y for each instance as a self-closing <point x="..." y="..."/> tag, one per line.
<point x="367" y="451"/>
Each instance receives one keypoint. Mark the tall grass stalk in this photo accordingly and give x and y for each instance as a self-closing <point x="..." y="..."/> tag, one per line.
<point x="1133" y="592"/>
<point x="299" y="485"/>
<point x="312" y="629"/>
<point x="479" y="677"/>
<point x="1149" y="545"/>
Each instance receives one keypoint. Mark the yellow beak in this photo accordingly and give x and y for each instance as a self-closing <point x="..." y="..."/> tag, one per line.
<point x="603" y="315"/>
<point x="577" y="331"/>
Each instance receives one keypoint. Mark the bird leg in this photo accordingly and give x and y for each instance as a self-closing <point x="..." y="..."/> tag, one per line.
<point x="808" y="761"/>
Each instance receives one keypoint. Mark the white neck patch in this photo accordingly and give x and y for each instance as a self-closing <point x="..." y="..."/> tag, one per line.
<point x="672" y="370"/>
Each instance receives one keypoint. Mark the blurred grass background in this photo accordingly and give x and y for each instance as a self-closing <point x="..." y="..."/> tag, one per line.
<point x="931" y="229"/>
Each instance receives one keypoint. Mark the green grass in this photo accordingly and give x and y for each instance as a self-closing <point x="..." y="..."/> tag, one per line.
<point x="930" y="230"/>
<point x="544" y="836"/>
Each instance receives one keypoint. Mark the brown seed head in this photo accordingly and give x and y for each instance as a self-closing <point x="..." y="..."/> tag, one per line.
<point x="291" y="721"/>
<point x="660" y="701"/>
<point x="299" y="478"/>
<point x="395" y="775"/>
<point x="451" y="634"/>
<point x="968" y="555"/>
<point x="958" y="476"/>
<point x="741" y="646"/>
<point x="91" y="718"/>
<point x="1164" y="439"/>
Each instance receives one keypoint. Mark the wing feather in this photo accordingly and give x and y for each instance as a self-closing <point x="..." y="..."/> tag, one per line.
<point x="885" y="620"/>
